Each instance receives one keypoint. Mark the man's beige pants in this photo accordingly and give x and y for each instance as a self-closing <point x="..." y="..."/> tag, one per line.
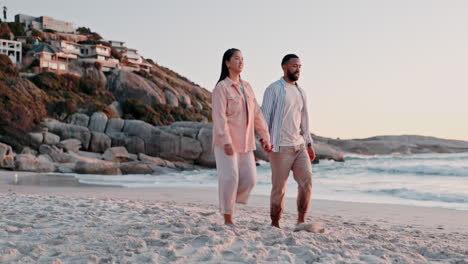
<point x="237" y="176"/>
<point x="293" y="158"/>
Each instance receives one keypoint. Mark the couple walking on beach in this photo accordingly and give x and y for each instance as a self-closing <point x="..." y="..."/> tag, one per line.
<point x="283" y="128"/>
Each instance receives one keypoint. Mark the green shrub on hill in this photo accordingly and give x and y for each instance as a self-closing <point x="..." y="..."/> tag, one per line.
<point x="17" y="29"/>
<point x="5" y="31"/>
<point x="69" y="94"/>
<point x="135" y="109"/>
<point x="7" y="69"/>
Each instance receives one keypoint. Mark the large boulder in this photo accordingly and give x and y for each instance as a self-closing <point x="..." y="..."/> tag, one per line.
<point x="67" y="131"/>
<point x="55" y="153"/>
<point x="155" y="161"/>
<point x="190" y="132"/>
<point x="50" y="138"/>
<point x="70" y="145"/>
<point x="28" y="150"/>
<point x="325" y="151"/>
<point x="151" y="160"/>
<point x="100" y="142"/>
<point x="25" y="162"/>
<point x="206" y="158"/>
<point x="185" y="100"/>
<point x="102" y="167"/>
<point x="78" y="119"/>
<point x="37" y="137"/>
<point x="91" y="155"/>
<point x="116" y="154"/>
<point x="115" y="125"/>
<point x="7" y="162"/>
<point x="140" y="129"/>
<point x="133" y="144"/>
<point x="126" y="85"/>
<point x="135" y="167"/>
<point x="98" y="122"/>
<point x="172" y="147"/>
<point x="171" y="98"/>
<point x="5" y="150"/>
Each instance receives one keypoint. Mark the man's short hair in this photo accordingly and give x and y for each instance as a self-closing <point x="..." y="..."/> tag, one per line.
<point x="288" y="57"/>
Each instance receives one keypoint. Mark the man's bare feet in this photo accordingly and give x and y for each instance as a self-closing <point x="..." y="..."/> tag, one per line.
<point x="301" y="217"/>
<point x="228" y="219"/>
<point x="275" y="223"/>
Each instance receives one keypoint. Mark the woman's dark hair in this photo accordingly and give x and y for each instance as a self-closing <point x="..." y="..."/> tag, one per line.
<point x="224" y="69"/>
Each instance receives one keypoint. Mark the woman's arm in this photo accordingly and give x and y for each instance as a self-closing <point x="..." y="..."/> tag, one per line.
<point x="220" y="123"/>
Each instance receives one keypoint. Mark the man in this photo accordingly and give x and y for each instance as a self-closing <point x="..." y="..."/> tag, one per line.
<point x="285" y="110"/>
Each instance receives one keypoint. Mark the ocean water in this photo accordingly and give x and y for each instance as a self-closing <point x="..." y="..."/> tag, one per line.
<point x="430" y="180"/>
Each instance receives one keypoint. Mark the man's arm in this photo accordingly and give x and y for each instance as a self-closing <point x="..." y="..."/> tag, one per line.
<point x="268" y="105"/>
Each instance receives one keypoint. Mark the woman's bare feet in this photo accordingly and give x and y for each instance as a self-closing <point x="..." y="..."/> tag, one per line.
<point x="228" y="219"/>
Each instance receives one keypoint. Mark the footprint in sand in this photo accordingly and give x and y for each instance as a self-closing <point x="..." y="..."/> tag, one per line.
<point x="207" y="213"/>
<point x="201" y="241"/>
<point x="312" y="228"/>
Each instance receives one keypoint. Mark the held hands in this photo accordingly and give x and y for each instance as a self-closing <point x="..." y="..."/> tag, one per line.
<point x="228" y="149"/>
<point x="311" y="152"/>
<point x="267" y="147"/>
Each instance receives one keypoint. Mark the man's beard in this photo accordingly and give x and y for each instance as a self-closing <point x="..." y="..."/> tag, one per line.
<point x="292" y="76"/>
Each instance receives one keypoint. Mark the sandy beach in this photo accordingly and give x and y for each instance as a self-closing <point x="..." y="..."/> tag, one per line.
<point x="54" y="219"/>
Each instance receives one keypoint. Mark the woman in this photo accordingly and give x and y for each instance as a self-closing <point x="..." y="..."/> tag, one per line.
<point x="235" y="116"/>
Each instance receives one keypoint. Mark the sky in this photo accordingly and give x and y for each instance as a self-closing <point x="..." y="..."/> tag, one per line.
<point x="369" y="67"/>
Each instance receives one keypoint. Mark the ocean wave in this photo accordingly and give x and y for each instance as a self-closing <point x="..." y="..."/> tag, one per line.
<point x="420" y="196"/>
<point x="420" y="157"/>
<point x="421" y="170"/>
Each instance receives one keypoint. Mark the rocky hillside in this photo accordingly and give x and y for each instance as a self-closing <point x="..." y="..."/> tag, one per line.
<point x="160" y="97"/>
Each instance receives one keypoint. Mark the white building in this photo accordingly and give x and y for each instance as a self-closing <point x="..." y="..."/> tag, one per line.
<point x="44" y="22"/>
<point x="12" y="49"/>
<point x="118" y="45"/>
<point x="100" y="54"/>
<point x="67" y="46"/>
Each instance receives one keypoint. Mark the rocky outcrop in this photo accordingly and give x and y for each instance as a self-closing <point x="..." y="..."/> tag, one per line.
<point x="135" y="167"/>
<point x="26" y="162"/>
<point x="51" y="139"/>
<point x="78" y="119"/>
<point x="101" y="168"/>
<point x="126" y="85"/>
<point x="406" y="144"/>
<point x="115" y="125"/>
<point x="205" y="136"/>
<point x="70" y="145"/>
<point x="325" y="151"/>
<point x="66" y="131"/>
<point x="37" y="138"/>
<point x="100" y="142"/>
<point x="6" y="157"/>
<point x="116" y="154"/>
<point x="5" y="150"/>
